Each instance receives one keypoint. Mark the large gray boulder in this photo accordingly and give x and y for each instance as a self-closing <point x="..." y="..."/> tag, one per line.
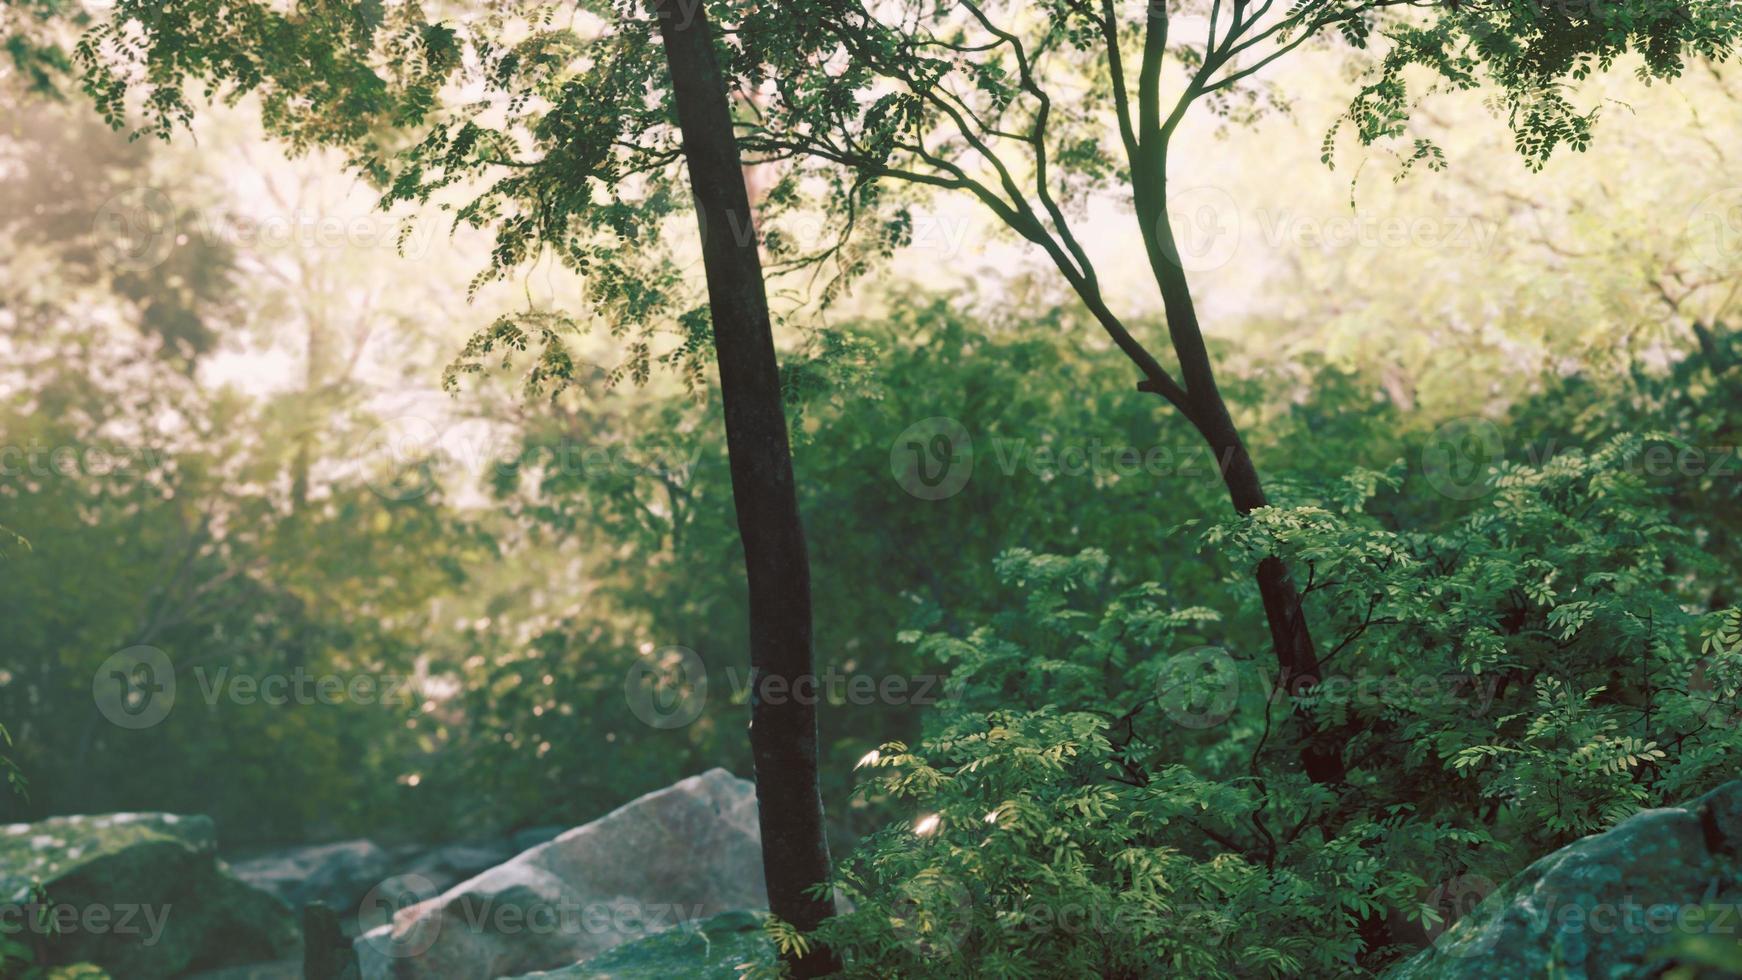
<point x="336" y="875"/>
<point x="141" y="895"/>
<point x="1657" y="888"/>
<point x="669" y="859"/>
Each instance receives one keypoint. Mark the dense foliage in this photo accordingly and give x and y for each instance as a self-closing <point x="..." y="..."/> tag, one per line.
<point x="1104" y="790"/>
<point x="1503" y="472"/>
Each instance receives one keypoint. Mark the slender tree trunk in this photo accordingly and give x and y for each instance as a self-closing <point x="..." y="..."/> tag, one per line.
<point x="783" y="731"/>
<point x="1198" y="397"/>
<point x="1296" y="657"/>
<point x="303" y="461"/>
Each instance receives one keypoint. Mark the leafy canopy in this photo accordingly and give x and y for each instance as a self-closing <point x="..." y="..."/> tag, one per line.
<point x="550" y="125"/>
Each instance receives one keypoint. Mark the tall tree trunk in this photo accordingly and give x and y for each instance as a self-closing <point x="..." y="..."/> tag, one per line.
<point x="1297" y="659"/>
<point x="783" y="731"/>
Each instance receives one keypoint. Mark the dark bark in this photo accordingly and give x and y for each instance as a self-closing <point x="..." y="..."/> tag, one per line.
<point x="783" y="731"/>
<point x="1200" y="400"/>
<point x="1297" y="659"/>
<point x="327" y="953"/>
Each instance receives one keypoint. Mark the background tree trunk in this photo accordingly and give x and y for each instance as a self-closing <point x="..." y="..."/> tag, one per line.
<point x="783" y="731"/>
<point x="1297" y="659"/>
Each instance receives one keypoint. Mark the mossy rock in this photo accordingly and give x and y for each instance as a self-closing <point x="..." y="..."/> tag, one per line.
<point x="141" y="895"/>
<point x="1660" y="891"/>
<point x="710" y="950"/>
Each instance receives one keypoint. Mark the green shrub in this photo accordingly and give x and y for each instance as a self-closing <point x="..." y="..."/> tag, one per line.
<point x="1108" y="792"/>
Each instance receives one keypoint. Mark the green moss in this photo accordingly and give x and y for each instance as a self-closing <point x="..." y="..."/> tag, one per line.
<point x="710" y="950"/>
<point x="146" y="893"/>
<point x="61" y="846"/>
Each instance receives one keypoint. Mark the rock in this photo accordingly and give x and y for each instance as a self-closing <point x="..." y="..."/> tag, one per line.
<point x="709" y="950"/>
<point x="338" y="875"/>
<point x="141" y="895"/>
<point x="675" y="856"/>
<point x="1611" y="905"/>
<point x="335" y="875"/>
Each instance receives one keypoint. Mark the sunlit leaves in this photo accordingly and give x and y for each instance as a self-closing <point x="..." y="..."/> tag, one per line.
<point x="1529" y="53"/>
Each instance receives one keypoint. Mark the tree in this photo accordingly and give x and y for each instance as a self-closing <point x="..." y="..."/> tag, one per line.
<point x="319" y="72"/>
<point x="961" y="96"/>
<point x="783" y="725"/>
<point x="569" y="136"/>
<point x="855" y="98"/>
